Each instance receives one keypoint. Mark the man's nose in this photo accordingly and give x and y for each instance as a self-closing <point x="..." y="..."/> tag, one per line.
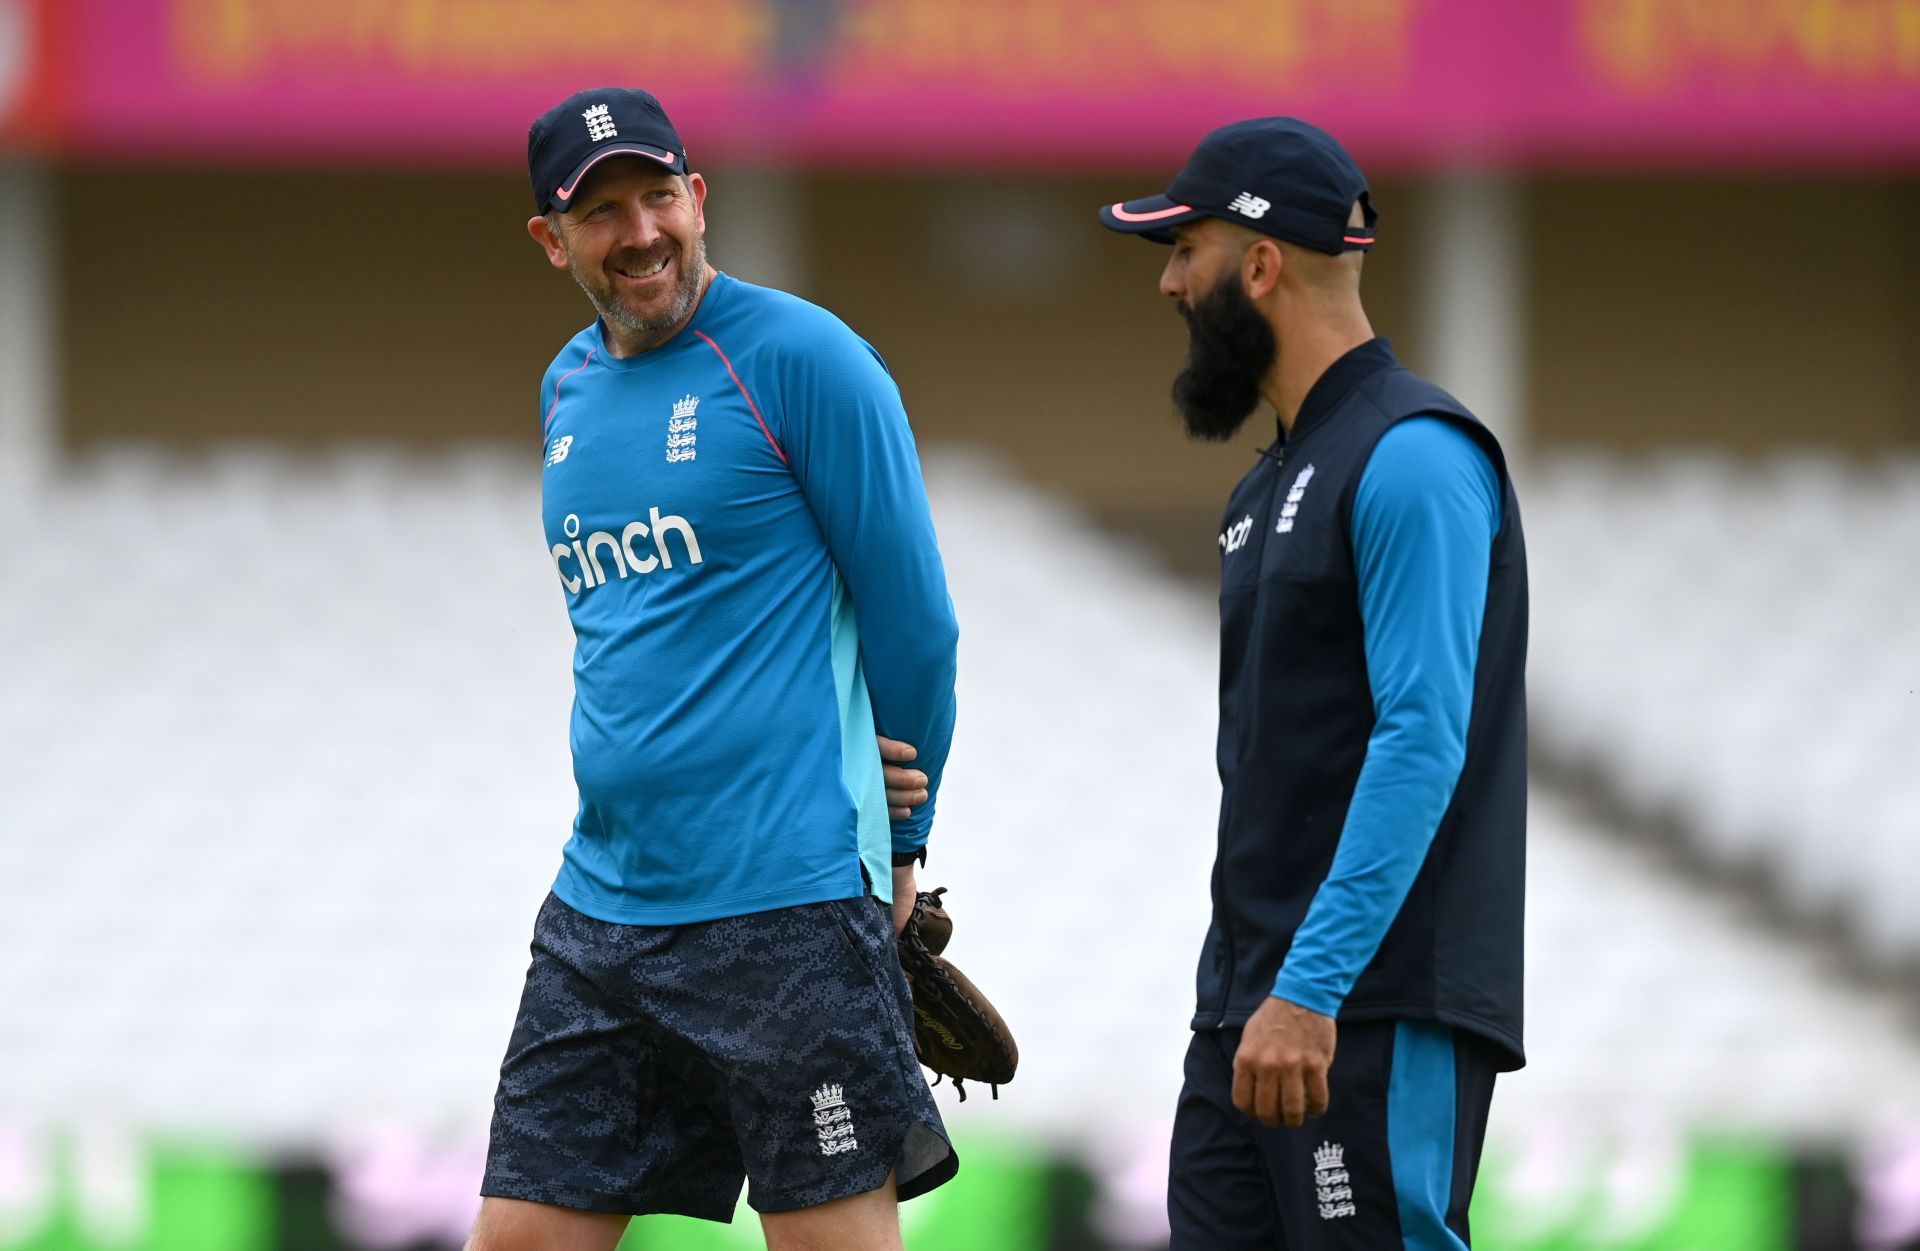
<point x="641" y="228"/>
<point x="1173" y="279"/>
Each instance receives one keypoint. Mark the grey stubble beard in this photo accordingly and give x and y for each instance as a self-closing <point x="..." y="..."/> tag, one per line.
<point x="686" y="296"/>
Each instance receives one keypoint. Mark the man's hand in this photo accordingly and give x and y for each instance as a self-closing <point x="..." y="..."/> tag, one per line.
<point x="1280" y="1071"/>
<point x="905" y="891"/>
<point x="906" y="788"/>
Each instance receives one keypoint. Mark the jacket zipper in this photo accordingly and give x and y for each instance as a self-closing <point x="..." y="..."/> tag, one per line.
<point x="1279" y="459"/>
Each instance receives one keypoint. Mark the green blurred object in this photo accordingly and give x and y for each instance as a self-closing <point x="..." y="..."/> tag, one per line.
<point x="999" y="1200"/>
<point x="206" y="1200"/>
<point x="1712" y="1196"/>
<point x="1649" y="1195"/>
<point x="195" y="1199"/>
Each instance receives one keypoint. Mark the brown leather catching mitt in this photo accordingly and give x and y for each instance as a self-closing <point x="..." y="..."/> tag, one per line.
<point x="956" y="1031"/>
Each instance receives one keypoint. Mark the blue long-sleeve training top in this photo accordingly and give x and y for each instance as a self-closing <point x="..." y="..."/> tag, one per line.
<point x="739" y="525"/>
<point x="1424" y="518"/>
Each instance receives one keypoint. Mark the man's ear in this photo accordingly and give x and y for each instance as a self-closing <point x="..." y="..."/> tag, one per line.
<point x="1260" y="267"/>
<point x="549" y="240"/>
<point x="698" y="186"/>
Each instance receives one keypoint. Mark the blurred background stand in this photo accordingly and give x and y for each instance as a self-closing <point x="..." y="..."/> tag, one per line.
<point x="284" y="678"/>
<point x="29" y="323"/>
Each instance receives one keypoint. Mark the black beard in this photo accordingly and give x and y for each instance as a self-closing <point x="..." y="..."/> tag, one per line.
<point x="1230" y="348"/>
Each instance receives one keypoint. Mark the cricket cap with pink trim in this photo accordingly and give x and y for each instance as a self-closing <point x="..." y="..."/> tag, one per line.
<point x="1278" y="175"/>
<point x="589" y="127"/>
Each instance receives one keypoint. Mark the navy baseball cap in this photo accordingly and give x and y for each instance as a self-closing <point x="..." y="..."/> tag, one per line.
<point x="1278" y="175"/>
<point x="588" y="127"/>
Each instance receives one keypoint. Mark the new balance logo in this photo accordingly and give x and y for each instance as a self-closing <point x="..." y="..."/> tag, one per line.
<point x="680" y="429"/>
<point x="599" y="124"/>
<point x="833" y="1121"/>
<point x="585" y="554"/>
<point x="1291" y="509"/>
<point x="1248" y="204"/>
<point x="1332" y="1188"/>
<point x="557" y="450"/>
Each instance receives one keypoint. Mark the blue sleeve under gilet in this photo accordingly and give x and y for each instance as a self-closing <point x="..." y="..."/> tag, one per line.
<point x="1424" y="518"/>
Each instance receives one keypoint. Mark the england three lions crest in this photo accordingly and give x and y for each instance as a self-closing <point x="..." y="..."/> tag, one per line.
<point x="833" y="1121"/>
<point x="1332" y="1183"/>
<point x="681" y="429"/>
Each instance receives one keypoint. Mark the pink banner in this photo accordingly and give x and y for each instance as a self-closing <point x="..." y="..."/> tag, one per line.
<point x="1525" y="83"/>
<point x="30" y="51"/>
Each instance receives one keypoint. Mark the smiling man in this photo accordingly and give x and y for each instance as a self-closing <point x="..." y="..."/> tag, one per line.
<point x="1371" y="859"/>
<point x="734" y="510"/>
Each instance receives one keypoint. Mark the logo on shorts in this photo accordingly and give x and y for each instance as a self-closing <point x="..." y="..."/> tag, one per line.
<point x="600" y="124"/>
<point x="680" y="429"/>
<point x="1332" y="1186"/>
<point x="1250" y="205"/>
<point x="833" y="1121"/>
<point x="1292" y="507"/>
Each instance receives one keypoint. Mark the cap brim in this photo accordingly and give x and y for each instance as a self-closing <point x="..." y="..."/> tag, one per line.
<point x="562" y="196"/>
<point x="1152" y="217"/>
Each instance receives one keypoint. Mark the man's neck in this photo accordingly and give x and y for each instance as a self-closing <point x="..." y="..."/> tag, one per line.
<point x="622" y="342"/>
<point x="1304" y="355"/>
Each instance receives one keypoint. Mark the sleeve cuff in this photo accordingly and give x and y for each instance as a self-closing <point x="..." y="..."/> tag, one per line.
<point x="1306" y="996"/>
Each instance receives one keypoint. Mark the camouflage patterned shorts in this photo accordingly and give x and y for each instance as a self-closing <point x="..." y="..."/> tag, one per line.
<point x="652" y="1068"/>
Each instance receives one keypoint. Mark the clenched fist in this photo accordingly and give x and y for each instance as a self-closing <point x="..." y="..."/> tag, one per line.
<point x="1280" y="1071"/>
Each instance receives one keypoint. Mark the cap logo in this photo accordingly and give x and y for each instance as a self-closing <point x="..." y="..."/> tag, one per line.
<point x="1248" y="204"/>
<point x="600" y="124"/>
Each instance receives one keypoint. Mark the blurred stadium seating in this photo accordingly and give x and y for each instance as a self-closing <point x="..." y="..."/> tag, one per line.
<point x="1728" y="645"/>
<point x="320" y="702"/>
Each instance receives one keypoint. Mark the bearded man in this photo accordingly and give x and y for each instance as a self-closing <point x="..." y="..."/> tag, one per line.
<point x="1370" y="871"/>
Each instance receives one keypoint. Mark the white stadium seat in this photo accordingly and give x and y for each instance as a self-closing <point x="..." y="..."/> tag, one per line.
<point x="283" y="778"/>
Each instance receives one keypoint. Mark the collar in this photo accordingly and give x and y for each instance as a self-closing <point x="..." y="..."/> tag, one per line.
<point x="1340" y="378"/>
<point x="716" y="293"/>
